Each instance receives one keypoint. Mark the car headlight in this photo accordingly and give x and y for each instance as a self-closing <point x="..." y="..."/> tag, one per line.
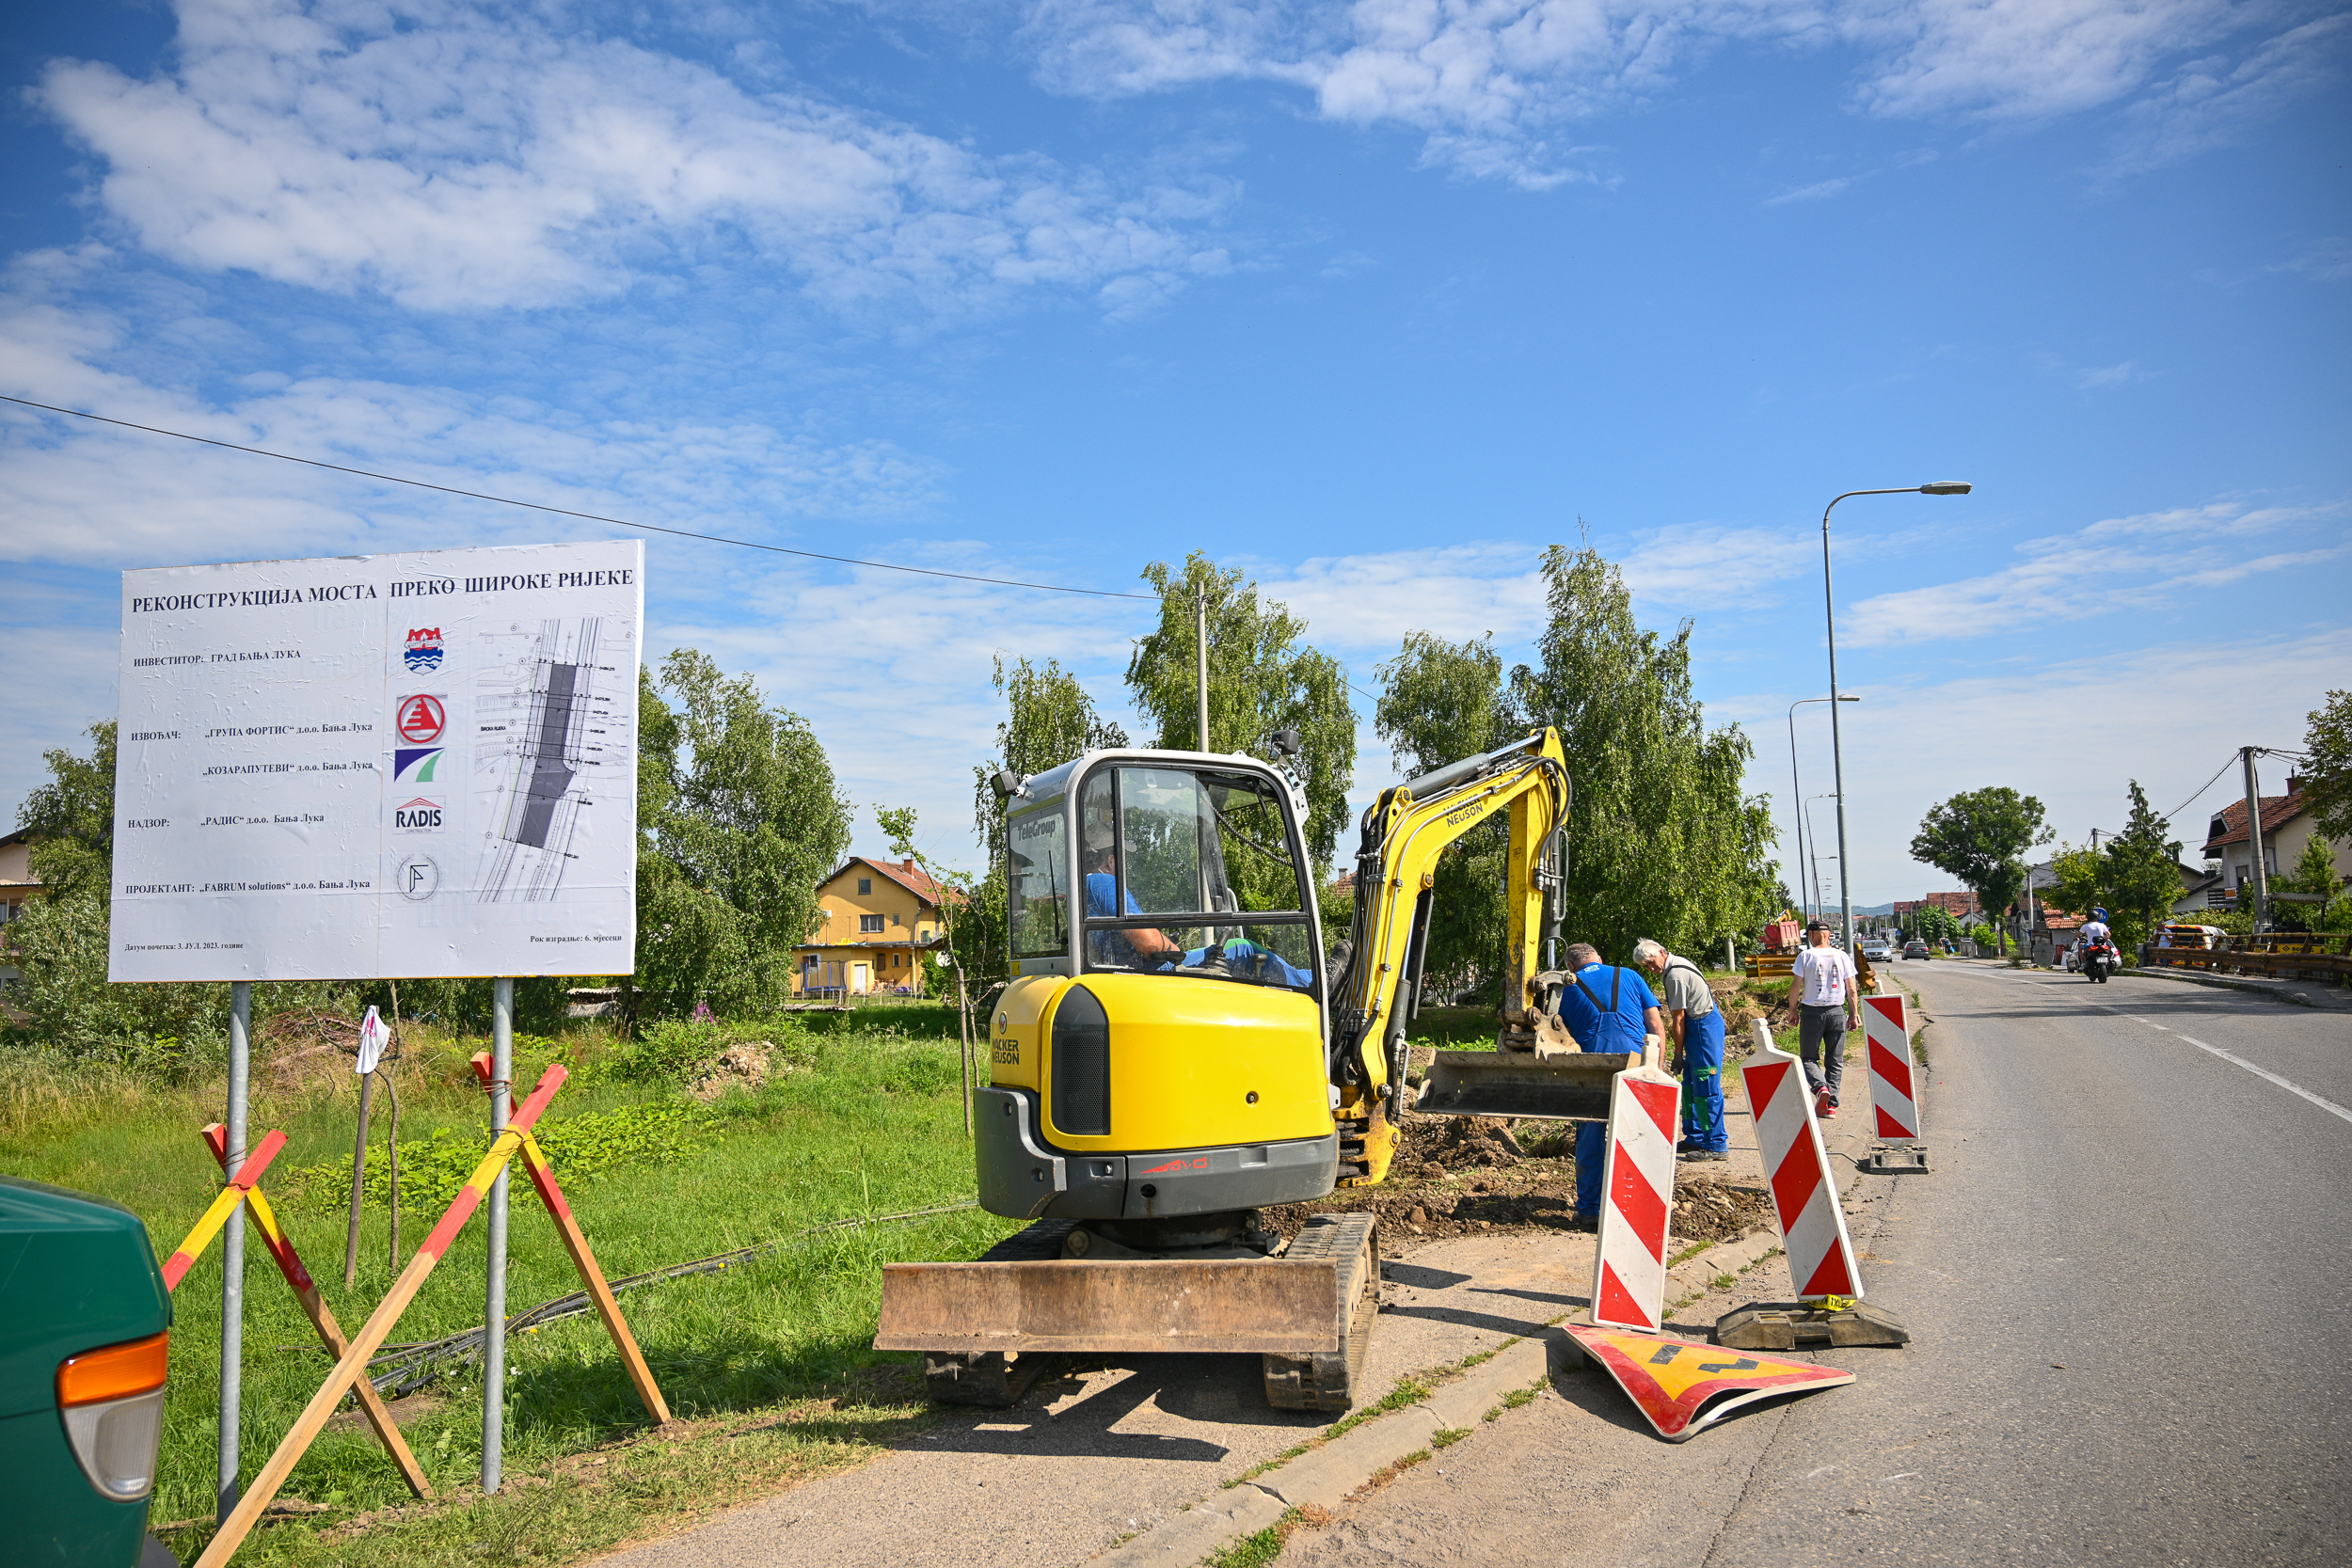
<point x="112" y="1404"/>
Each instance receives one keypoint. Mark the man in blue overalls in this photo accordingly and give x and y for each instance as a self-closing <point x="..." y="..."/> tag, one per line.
<point x="1606" y="1010"/>
<point x="1697" y="1034"/>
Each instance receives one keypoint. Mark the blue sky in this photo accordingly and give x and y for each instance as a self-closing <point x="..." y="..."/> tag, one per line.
<point x="1376" y="300"/>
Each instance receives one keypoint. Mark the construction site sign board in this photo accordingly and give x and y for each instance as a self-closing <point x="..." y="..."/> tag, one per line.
<point x="401" y="765"/>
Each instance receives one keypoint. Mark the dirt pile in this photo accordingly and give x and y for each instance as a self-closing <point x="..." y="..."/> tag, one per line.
<point x="744" y="1064"/>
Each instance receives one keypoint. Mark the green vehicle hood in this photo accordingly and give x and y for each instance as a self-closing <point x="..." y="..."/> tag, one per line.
<point x="76" y="1273"/>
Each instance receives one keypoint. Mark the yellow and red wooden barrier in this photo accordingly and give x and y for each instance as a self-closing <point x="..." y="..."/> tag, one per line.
<point x="330" y="1333"/>
<point x="239" y="1188"/>
<point x="351" y="1366"/>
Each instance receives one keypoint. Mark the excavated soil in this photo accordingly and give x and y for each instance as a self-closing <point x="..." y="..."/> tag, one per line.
<point x="1464" y="1175"/>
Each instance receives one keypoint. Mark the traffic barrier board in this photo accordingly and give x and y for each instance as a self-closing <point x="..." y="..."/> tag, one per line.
<point x="1637" y="1199"/>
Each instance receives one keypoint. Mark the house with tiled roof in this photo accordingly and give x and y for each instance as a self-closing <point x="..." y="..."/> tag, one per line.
<point x="2287" y="826"/>
<point x="878" y="923"/>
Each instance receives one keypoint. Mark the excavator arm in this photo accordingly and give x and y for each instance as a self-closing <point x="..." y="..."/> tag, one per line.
<point x="1404" y="832"/>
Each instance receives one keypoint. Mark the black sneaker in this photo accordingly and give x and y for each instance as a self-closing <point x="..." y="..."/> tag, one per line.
<point x="1703" y="1155"/>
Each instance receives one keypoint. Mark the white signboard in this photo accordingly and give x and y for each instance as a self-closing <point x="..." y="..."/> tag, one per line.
<point x="392" y="765"/>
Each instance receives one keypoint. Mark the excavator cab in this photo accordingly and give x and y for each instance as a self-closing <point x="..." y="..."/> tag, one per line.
<point x="1159" y="1052"/>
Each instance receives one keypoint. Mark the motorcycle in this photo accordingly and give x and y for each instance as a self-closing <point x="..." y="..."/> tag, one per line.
<point x="2100" y="959"/>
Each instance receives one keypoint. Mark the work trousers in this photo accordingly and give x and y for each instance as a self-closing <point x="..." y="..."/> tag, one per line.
<point x="1821" y="1041"/>
<point x="1703" y="1082"/>
<point x="1592" y="1148"/>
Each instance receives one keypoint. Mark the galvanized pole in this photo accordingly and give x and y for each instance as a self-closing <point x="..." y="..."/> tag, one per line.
<point x="1200" y="649"/>
<point x="494" y="1304"/>
<point x="2254" y="838"/>
<point x="1796" y="791"/>
<point x="1836" y="742"/>
<point x="232" y="1252"/>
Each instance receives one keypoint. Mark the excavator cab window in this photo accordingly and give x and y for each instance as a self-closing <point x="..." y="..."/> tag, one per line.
<point x="1192" y="872"/>
<point x="1037" y="892"/>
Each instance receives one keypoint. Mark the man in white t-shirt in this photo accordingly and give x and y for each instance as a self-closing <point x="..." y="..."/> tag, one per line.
<point x="1824" y="984"/>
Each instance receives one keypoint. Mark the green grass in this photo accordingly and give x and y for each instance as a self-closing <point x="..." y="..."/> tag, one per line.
<point x="872" y="1124"/>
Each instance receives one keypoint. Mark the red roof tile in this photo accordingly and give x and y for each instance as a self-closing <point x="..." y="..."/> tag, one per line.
<point x="2277" y="811"/>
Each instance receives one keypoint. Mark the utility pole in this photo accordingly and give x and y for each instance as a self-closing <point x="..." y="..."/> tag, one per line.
<point x="1200" y="649"/>
<point x="2254" y="838"/>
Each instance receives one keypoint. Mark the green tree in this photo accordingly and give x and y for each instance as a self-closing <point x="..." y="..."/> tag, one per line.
<point x="2143" y="872"/>
<point x="1262" y="678"/>
<point x="1980" y="837"/>
<point x="1441" y="701"/>
<point x="71" y="818"/>
<point x="2314" y="873"/>
<point x="738" y="821"/>
<point x="1662" y="841"/>
<point x="1049" y="719"/>
<point x="2327" y="766"/>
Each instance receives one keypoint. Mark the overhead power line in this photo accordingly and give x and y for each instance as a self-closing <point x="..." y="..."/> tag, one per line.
<point x="566" y="512"/>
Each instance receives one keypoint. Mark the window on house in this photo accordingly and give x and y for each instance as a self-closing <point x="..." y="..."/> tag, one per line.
<point x="865" y="885"/>
<point x="869" y="922"/>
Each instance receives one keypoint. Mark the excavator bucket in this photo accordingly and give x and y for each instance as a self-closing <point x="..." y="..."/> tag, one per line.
<point x="1530" y="1085"/>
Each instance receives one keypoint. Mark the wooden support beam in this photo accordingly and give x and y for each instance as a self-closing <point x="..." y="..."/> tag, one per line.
<point x="591" y="1276"/>
<point x="354" y="1365"/>
<point x="330" y="1333"/>
<point x="183" y="1257"/>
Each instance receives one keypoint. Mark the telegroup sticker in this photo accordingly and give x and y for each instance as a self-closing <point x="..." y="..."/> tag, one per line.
<point x="419" y="718"/>
<point x="418" y="815"/>
<point x="423" y="652"/>
<point x="415" y="764"/>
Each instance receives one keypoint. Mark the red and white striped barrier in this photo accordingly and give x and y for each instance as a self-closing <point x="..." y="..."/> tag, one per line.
<point x="1804" y="1194"/>
<point x="1893" y="1073"/>
<point x="1637" y="1196"/>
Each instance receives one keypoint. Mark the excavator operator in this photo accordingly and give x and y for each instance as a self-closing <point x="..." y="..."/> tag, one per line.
<point x="1147" y="945"/>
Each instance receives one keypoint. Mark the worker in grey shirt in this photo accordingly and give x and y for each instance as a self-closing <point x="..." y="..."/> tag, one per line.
<point x="1696" y="1026"/>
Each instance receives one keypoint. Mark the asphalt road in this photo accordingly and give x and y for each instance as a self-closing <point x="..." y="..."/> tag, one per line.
<point x="2126" y="1281"/>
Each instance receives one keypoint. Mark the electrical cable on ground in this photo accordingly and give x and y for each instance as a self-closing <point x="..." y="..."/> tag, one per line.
<point x="414" y="1366"/>
<point x="566" y="512"/>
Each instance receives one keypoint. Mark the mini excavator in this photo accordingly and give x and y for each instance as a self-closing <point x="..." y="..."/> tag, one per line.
<point x="1176" y="1051"/>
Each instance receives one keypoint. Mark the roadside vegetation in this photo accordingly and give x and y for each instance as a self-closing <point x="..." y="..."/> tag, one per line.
<point x="859" y="1114"/>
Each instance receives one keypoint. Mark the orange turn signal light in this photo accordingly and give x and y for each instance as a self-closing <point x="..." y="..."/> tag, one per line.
<point x="114" y="1372"/>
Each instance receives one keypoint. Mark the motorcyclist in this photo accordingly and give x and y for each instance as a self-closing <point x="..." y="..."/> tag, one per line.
<point x="2095" y="932"/>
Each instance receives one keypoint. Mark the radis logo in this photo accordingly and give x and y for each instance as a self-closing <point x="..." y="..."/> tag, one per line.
<point x="424" y="649"/>
<point x="419" y="718"/>
<point x="415" y="764"/>
<point x="418" y="815"/>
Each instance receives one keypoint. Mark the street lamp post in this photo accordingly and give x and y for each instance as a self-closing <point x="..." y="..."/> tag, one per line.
<point x="1836" y="750"/>
<point x="1818" y="907"/>
<point x="1795" y="795"/>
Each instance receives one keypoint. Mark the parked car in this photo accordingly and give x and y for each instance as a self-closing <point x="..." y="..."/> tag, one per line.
<point x="1915" y="949"/>
<point x="85" y="1322"/>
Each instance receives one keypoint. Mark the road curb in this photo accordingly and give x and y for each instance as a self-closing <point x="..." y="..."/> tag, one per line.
<point x="1323" y="1477"/>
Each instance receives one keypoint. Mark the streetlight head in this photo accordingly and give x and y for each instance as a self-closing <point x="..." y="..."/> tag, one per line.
<point x="1945" y="488"/>
<point x="1850" y="699"/>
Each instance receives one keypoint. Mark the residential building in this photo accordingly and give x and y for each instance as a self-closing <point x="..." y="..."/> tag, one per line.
<point x="877" y="922"/>
<point x="18" y="886"/>
<point x="2287" y="825"/>
<point x="1961" y="906"/>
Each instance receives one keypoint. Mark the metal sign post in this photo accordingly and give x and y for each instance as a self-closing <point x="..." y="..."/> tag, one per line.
<point x="232" y="1251"/>
<point x="494" y="1303"/>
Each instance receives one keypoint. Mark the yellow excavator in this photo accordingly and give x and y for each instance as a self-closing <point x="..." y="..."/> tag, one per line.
<point x="1176" y="1051"/>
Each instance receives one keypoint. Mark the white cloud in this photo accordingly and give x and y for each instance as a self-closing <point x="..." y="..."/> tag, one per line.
<point x="1362" y="606"/>
<point x="2147" y="561"/>
<point x="456" y="160"/>
<point x="2214" y="100"/>
<point x="1821" y="191"/>
<point x="2073" y="735"/>
<point x="2110" y="375"/>
<point x="1493" y="83"/>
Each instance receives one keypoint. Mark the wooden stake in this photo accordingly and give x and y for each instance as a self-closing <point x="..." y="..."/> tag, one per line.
<point x="354" y="1365"/>
<point x="330" y="1333"/>
<point x="359" y="1180"/>
<point x="183" y="1257"/>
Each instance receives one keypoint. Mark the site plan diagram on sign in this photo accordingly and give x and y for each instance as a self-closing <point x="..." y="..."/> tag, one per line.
<point x="544" y="723"/>
<point x="422" y="764"/>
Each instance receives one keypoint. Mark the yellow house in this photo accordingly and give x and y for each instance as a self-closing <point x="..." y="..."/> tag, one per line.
<point x="18" y="886"/>
<point x="878" y="924"/>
